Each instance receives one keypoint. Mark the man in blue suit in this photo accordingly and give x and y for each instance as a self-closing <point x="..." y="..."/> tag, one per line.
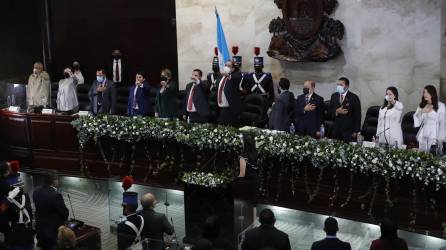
<point x="309" y="111"/>
<point x="138" y="103"/>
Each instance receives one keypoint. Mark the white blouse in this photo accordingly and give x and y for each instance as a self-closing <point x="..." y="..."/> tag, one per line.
<point x="66" y="95"/>
<point x="431" y="126"/>
<point x="389" y="125"/>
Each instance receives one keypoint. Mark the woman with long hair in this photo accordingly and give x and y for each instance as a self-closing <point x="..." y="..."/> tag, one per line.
<point x="389" y="130"/>
<point x="429" y="117"/>
<point x="389" y="238"/>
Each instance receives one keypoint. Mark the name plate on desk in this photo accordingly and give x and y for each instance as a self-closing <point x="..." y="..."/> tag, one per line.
<point x="84" y="113"/>
<point x="368" y="144"/>
<point x="15" y="109"/>
<point x="47" y="111"/>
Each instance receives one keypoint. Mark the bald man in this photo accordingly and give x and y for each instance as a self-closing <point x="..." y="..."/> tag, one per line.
<point x="155" y="224"/>
<point x="38" y="89"/>
<point x="309" y="111"/>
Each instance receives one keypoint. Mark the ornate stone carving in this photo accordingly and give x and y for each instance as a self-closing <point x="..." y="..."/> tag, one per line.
<point x="306" y="32"/>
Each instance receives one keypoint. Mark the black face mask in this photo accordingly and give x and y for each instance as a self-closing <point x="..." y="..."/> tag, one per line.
<point x="306" y="91"/>
<point x="66" y="75"/>
<point x="116" y="57"/>
<point x="215" y="69"/>
<point x="163" y="78"/>
<point x="76" y="67"/>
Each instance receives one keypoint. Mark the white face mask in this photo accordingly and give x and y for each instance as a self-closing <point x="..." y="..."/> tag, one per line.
<point x="35" y="71"/>
<point x="387" y="98"/>
<point x="227" y="70"/>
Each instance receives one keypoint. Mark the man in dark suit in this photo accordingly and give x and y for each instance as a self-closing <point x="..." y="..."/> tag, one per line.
<point x="345" y="109"/>
<point x="196" y="102"/>
<point x="139" y="103"/>
<point x="228" y="96"/>
<point x="118" y="69"/>
<point x="211" y="88"/>
<point x="102" y="94"/>
<point x="283" y="109"/>
<point x="155" y="224"/>
<point x="129" y="231"/>
<point x="51" y="211"/>
<point x="309" y="111"/>
<point x="266" y="236"/>
<point x="331" y="242"/>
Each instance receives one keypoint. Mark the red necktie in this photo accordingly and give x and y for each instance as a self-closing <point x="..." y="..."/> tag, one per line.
<point x="117" y="71"/>
<point x="220" y="90"/>
<point x="191" y="96"/>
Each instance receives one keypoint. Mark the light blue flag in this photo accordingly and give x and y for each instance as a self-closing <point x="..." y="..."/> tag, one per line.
<point x="223" y="52"/>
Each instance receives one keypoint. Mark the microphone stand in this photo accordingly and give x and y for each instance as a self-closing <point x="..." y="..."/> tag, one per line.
<point x="385" y="137"/>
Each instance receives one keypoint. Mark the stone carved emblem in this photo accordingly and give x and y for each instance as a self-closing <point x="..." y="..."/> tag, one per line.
<point x="306" y="32"/>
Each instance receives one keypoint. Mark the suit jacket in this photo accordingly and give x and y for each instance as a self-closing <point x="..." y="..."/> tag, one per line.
<point x="282" y="111"/>
<point x="141" y="98"/>
<point x="108" y="98"/>
<point x="266" y="83"/>
<point x="351" y="122"/>
<point x="309" y="121"/>
<point x="382" y="244"/>
<point x="331" y="244"/>
<point x="125" y="74"/>
<point x="126" y="235"/>
<point x="266" y="236"/>
<point x="155" y="225"/>
<point x="232" y="92"/>
<point x="200" y="99"/>
<point x="51" y="213"/>
<point x="166" y="102"/>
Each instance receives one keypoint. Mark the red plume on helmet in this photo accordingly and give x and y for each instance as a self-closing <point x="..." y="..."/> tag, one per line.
<point x="234" y="50"/>
<point x="127" y="182"/>
<point x="216" y="51"/>
<point x="15" y="166"/>
<point x="257" y="51"/>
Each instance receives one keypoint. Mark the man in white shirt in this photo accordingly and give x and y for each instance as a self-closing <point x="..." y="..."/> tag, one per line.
<point x="118" y="68"/>
<point x="38" y="89"/>
<point x="77" y="73"/>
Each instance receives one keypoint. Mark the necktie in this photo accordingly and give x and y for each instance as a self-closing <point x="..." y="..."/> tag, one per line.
<point x="307" y="99"/>
<point x="220" y="90"/>
<point x="117" y="72"/>
<point x="191" y="96"/>
<point x="342" y="98"/>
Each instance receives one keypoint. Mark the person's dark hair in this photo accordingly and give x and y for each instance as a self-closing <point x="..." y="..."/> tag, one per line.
<point x="395" y="93"/>
<point x="200" y="73"/>
<point x="433" y="92"/>
<point x="3" y="168"/>
<point x="211" y="229"/>
<point x="249" y="148"/>
<point x="284" y="83"/>
<point x="331" y="226"/>
<point x="203" y="244"/>
<point x="49" y="177"/>
<point x="103" y="70"/>
<point x="142" y="73"/>
<point x="389" y="232"/>
<point x="345" y="80"/>
<point x="266" y="217"/>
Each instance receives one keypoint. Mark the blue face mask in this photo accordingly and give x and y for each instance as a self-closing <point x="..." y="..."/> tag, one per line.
<point x="339" y="89"/>
<point x="100" y="78"/>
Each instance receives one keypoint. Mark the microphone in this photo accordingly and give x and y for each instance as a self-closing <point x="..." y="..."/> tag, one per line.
<point x="378" y="134"/>
<point x="71" y="205"/>
<point x="174" y="232"/>
<point x="73" y="223"/>
<point x="385" y="137"/>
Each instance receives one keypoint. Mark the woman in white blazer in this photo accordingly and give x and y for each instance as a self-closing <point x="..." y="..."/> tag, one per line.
<point x="389" y="121"/>
<point x="430" y="118"/>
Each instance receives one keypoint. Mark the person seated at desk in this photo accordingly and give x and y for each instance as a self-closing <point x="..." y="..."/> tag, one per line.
<point x="166" y="98"/>
<point x="38" y="89"/>
<point x="66" y="95"/>
<point x="138" y="103"/>
<point x="102" y="94"/>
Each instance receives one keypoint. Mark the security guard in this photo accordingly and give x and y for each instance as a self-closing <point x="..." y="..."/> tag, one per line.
<point x="129" y="230"/>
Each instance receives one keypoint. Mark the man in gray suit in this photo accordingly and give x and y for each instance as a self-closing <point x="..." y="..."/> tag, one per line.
<point x="283" y="108"/>
<point x="102" y="94"/>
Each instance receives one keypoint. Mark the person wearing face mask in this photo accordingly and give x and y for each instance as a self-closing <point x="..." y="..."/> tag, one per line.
<point x="282" y="111"/>
<point x="196" y="103"/>
<point x="259" y="82"/>
<point x="77" y="73"/>
<point x="389" y="130"/>
<point x="102" y="94"/>
<point x="430" y="119"/>
<point x="66" y="95"/>
<point x="39" y="86"/>
<point x="166" y="98"/>
<point x="138" y="103"/>
<point x="118" y="68"/>
<point x="345" y="108"/>
<point x="228" y="96"/>
<point x="309" y="111"/>
<point x="211" y="88"/>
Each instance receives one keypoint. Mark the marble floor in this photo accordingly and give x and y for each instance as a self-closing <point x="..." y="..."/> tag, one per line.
<point x="97" y="203"/>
